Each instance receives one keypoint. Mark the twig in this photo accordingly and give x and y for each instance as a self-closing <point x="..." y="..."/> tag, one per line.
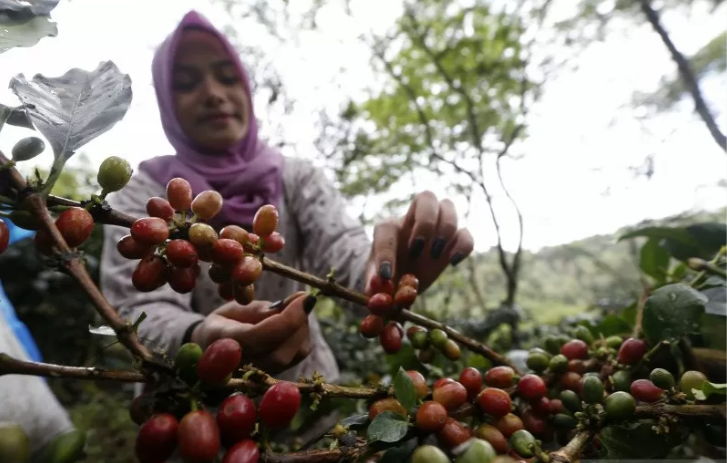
<point x="704" y="411"/>
<point x="573" y="449"/>
<point x="339" y="455"/>
<point x="640" y="312"/>
<point x="686" y="74"/>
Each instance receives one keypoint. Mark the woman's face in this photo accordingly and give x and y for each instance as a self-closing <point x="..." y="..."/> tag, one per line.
<point x="209" y="95"/>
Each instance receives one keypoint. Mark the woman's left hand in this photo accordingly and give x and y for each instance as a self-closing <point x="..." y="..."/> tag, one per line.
<point x="423" y="242"/>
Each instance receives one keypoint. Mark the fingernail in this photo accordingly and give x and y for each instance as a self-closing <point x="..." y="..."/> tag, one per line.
<point x="417" y="246"/>
<point x="276" y="305"/>
<point x="438" y="248"/>
<point x="456" y="259"/>
<point x="385" y="270"/>
<point x="309" y="303"/>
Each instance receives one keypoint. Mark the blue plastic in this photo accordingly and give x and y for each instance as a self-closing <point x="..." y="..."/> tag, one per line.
<point x="6" y="307"/>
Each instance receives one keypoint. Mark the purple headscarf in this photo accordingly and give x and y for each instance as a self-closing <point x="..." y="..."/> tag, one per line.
<point x="248" y="176"/>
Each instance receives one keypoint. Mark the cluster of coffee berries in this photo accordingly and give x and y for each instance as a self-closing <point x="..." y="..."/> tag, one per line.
<point x="384" y="305"/>
<point x="429" y="342"/>
<point x="168" y="424"/>
<point x="170" y="245"/>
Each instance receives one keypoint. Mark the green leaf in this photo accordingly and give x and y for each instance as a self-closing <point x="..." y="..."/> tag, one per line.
<point x="636" y="441"/>
<point x="716" y="300"/>
<point x="355" y="420"/>
<point x="679" y="235"/>
<point x="404" y="390"/>
<point x="611" y="325"/>
<point x="673" y="311"/>
<point x="400" y="453"/>
<point x="654" y="259"/>
<point x="25" y="33"/>
<point x="709" y="389"/>
<point x="387" y="427"/>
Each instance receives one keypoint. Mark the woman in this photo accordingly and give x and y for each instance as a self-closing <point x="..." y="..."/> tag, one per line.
<point x="206" y="110"/>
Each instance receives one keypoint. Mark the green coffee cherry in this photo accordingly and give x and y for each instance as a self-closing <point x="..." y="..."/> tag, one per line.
<point x="113" y="174"/>
<point x="420" y="340"/>
<point x="429" y="454"/>
<point x="558" y="364"/>
<point x="691" y="379"/>
<point x="477" y="451"/>
<point x="614" y="342"/>
<point x="553" y="344"/>
<point x="565" y="421"/>
<point x="619" y="405"/>
<point x="584" y="334"/>
<point x="438" y="338"/>
<point x="186" y="362"/>
<point x="538" y="360"/>
<point x="65" y="448"/>
<point x="662" y="378"/>
<point x="28" y="148"/>
<point x="621" y="380"/>
<point x="571" y="401"/>
<point x="592" y="390"/>
<point x="451" y="350"/>
<point x="521" y="441"/>
<point x="14" y="443"/>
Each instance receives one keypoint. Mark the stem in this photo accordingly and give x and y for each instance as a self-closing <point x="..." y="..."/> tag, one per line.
<point x="704" y="411"/>
<point x="339" y="455"/>
<point x="640" y="312"/>
<point x="573" y="449"/>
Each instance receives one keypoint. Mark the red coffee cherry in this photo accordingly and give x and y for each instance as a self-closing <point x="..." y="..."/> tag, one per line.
<point x="420" y="384"/>
<point x="492" y="435"/>
<point x="471" y="379"/>
<point x="265" y="221"/>
<point x="236" y="418"/>
<point x="76" y="225"/>
<point x="451" y="395"/>
<point x="405" y="296"/>
<point x="532" y="387"/>
<point x="220" y="360"/>
<point x="453" y="433"/>
<point x="273" y="243"/>
<point x="533" y="423"/>
<point x="371" y="326"/>
<point x="4" y="236"/>
<point x="43" y="243"/>
<point x="431" y="416"/>
<point x="243" y="294"/>
<point x="509" y="424"/>
<point x="160" y="207"/>
<point x="247" y="270"/>
<point x="207" y="204"/>
<point x="227" y="252"/>
<point x="577" y="366"/>
<point x="541" y="406"/>
<point x="149" y="275"/>
<point x="500" y="377"/>
<point x="381" y="304"/>
<point x="131" y="249"/>
<point x="645" y="391"/>
<point x="571" y="381"/>
<point x="409" y="279"/>
<point x="632" y="351"/>
<point x="157" y="438"/>
<point x="226" y="291"/>
<point x="183" y="280"/>
<point x="181" y="253"/>
<point x="245" y="451"/>
<point x="253" y="242"/>
<point x="150" y="231"/>
<point x="441" y="382"/>
<point x="575" y="349"/>
<point x="220" y="273"/>
<point x="379" y="285"/>
<point x="179" y="194"/>
<point x="391" y="338"/>
<point x="279" y="405"/>
<point x="233" y="232"/>
<point x="495" y="402"/>
<point x="199" y="437"/>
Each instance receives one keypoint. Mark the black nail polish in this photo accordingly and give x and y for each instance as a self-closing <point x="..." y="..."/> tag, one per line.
<point x="309" y="303"/>
<point x="456" y="259"/>
<point x="276" y="304"/>
<point x="385" y="270"/>
<point x="417" y="246"/>
<point x="438" y="247"/>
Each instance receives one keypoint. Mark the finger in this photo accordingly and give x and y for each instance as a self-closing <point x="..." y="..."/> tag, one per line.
<point x="293" y="351"/>
<point x="256" y="311"/>
<point x="422" y="217"/>
<point x="384" y="248"/>
<point x="445" y="230"/>
<point x="460" y="247"/>
<point x="275" y="330"/>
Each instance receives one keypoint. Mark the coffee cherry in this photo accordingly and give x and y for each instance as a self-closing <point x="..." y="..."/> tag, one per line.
<point x="454" y="433"/>
<point x="632" y="350"/>
<point x="521" y="442"/>
<point x="441" y="382"/>
<point x="553" y="344"/>
<point x="577" y="366"/>
<point x="220" y="273"/>
<point x="614" y="342"/>
<point x="236" y="418"/>
<point x="405" y="296"/>
<point x="438" y="338"/>
<point x="186" y="360"/>
<point x="113" y="174"/>
<point x="391" y="338"/>
<point x="492" y="435"/>
<point x="371" y="326"/>
<point x="28" y="148"/>
<point x="131" y="249"/>
<point x="76" y="225"/>
<point x="381" y="304"/>
<point x="157" y="438"/>
<point x="199" y="437"/>
<point x="476" y="451"/>
<point x="379" y="285"/>
<point x="183" y="280"/>
<point x="202" y="236"/>
<point x="243" y="294"/>
<point x="533" y="423"/>
<point x="691" y="379"/>
<point x="451" y="350"/>
<point x="233" y="232"/>
<point x="584" y="334"/>
<point x="149" y="275"/>
<point x="253" y="243"/>
<point x="160" y="208"/>
<point x="541" y="406"/>
<point x="508" y="424"/>
<point x="538" y="360"/>
<point x="575" y="349"/>
<point x="431" y="416"/>
<point x="429" y="454"/>
<point x="207" y="204"/>
<point x="389" y="404"/>
<point x="571" y="380"/>
<point x="410" y="280"/>
<point x="141" y="409"/>
<point x="452" y="395"/>
<point x="420" y="384"/>
<point x="279" y="405"/>
<point x="471" y="379"/>
<point x="226" y="291"/>
<point x="265" y="221"/>
<point x="565" y="421"/>
<point x="592" y="390"/>
<point x="495" y="402"/>
<point x="181" y="253"/>
<point x="619" y="406"/>
<point x="621" y="381"/>
<point x="4" y="236"/>
<point x="43" y="243"/>
<point x="273" y="243"/>
<point x="532" y="387"/>
<point x="248" y="268"/>
<point x="245" y="451"/>
<point x="501" y="377"/>
<point x="227" y="252"/>
<point x="150" y="231"/>
<point x="662" y="378"/>
<point x="571" y="401"/>
<point x="427" y="355"/>
<point x="219" y="361"/>
<point x="179" y="194"/>
<point x="645" y="391"/>
<point x="418" y="336"/>
<point x="558" y="364"/>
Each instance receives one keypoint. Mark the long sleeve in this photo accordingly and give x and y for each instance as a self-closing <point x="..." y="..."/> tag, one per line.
<point x="169" y="313"/>
<point x="331" y="238"/>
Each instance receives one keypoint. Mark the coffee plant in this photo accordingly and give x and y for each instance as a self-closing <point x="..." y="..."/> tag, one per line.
<point x="610" y="390"/>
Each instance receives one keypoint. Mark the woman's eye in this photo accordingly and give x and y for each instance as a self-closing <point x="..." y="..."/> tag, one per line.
<point x="184" y="86"/>
<point x="228" y="80"/>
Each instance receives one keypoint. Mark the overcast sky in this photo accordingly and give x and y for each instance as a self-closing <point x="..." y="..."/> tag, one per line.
<point x="572" y="182"/>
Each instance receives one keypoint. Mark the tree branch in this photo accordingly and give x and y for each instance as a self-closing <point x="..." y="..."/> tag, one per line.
<point x="573" y="449"/>
<point x="686" y="74"/>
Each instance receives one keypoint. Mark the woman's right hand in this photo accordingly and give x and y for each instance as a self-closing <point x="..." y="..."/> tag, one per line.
<point x="273" y="339"/>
